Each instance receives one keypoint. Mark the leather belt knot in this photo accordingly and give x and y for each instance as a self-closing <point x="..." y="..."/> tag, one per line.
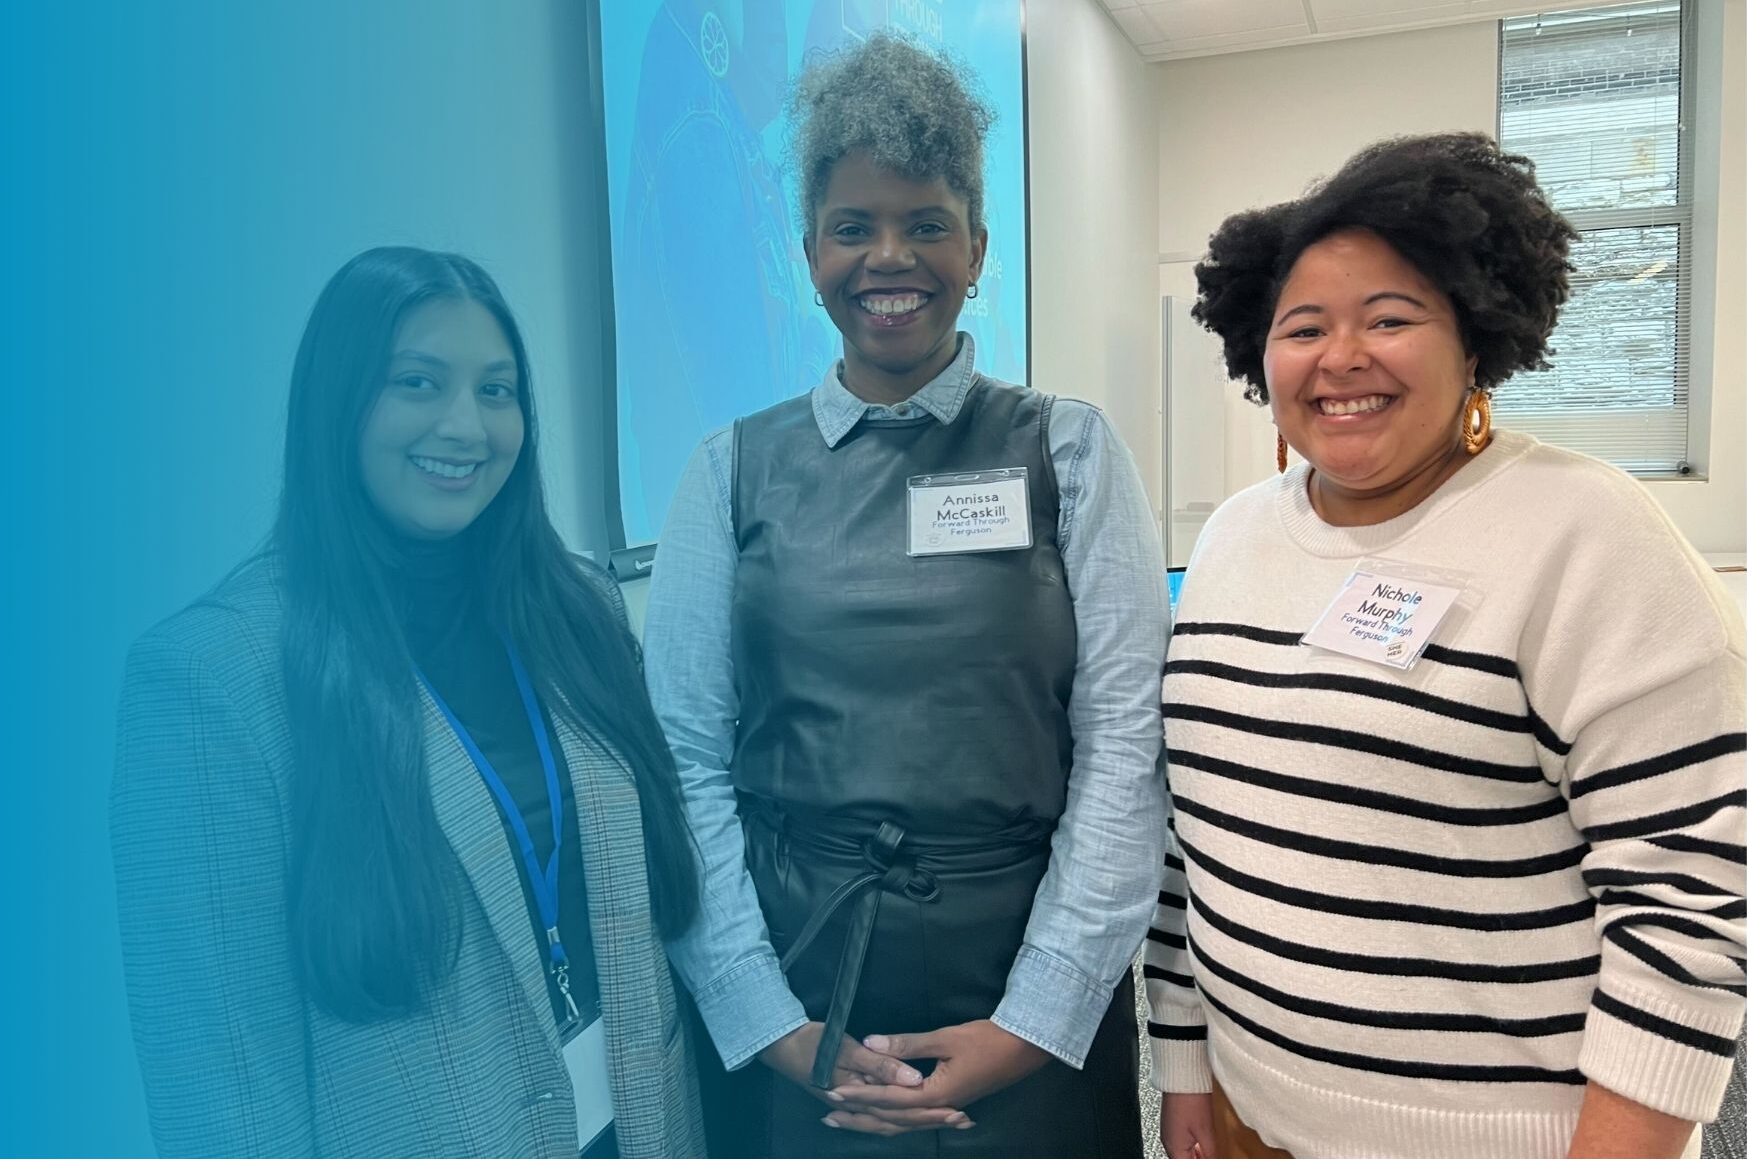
<point x="891" y="873"/>
<point x="909" y="866"/>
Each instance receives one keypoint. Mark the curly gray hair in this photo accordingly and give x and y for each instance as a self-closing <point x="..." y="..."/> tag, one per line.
<point x="915" y="112"/>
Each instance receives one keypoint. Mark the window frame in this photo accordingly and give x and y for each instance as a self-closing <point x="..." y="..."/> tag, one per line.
<point x="1681" y="214"/>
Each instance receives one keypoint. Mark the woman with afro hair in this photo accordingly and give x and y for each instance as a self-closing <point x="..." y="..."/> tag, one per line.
<point x="1454" y="720"/>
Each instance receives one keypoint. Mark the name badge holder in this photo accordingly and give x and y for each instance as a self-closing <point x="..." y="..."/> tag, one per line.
<point x="1388" y="612"/>
<point x="585" y="1058"/>
<point x="969" y="511"/>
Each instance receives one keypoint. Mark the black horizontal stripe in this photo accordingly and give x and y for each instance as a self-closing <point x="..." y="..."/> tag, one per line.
<point x="1170" y="900"/>
<point x="1172" y="861"/>
<point x="1728" y="910"/>
<point x="1661" y="765"/>
<point x="1511" y="973"/>
<point x="1604" y="877"/>
<point x="1242" y="631"/>
<point x="1687" y="843"/>
<point x="1354" y="741"/>
<point x="1176" y="1033"/>
<point x="1682" y="818"/>
<point x="1391" y="1019"/>
<point x="1391" y="911"/>
<point x="1680" y="924"/>
<point x="1437" y="653"/>
<point x="1478" y="661"/>
<point x="1552" y="805"/>
<point x="1406" y="1068"/>
<point x="1160" y="974"/>
<point x="1354" y="686"/>
<point x="1648" y="954"/>
<point x="1174" y="941"/>
<point x="1379" y="854"/>
<point x="1545" y="734"/>
<point x="1662" y="1027"/>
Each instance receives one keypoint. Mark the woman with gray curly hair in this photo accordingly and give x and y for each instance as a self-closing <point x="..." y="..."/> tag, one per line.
<point x="905" y="638"/>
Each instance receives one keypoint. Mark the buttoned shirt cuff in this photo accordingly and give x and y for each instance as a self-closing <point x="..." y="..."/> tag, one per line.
<point x="749" y="1008"/>
<point x="1052" y="1005"/>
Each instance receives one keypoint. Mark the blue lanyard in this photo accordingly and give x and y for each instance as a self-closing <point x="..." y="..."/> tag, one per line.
<point x="542" y="879"/>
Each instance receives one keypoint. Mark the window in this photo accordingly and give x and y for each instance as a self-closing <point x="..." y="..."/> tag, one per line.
<point x="1600" y="99"/>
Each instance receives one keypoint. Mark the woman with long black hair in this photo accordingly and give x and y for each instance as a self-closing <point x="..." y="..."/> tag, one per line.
<point x="397" y="837"/>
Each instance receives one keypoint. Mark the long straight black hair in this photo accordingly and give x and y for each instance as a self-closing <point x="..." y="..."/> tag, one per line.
<point x="373" y="901"/>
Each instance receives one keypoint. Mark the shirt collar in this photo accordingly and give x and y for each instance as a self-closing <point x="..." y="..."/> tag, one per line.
<point x="837" y="411"/>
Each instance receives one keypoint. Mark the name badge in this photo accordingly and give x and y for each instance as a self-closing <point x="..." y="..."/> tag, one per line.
<point x="969" y="511"/>
<point x="1383" y="618"/>
<point x="585" y="1058"/>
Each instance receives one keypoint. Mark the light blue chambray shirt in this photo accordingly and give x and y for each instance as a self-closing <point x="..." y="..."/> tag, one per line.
<point x="1097" y="897"/>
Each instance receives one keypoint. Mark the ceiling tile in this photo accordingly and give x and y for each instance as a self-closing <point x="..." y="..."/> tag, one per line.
<point x="1384" y="11"/>
<point x="1138" y="25"/>
<point x="1234" y="41"/>
<point x="1180" y="19"/>
<point x="1168" y="29"/>
<point x="1491" y="8"/>
<point x="1414" y="17"/>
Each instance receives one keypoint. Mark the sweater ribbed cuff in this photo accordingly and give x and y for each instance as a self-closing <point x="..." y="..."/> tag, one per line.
<point x="1180" y="1066"/>
<point x="1651" y="1068"/>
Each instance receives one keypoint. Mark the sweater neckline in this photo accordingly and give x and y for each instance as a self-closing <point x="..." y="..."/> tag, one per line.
<point x="1309" y="531"/>
<point x="435" y="583"/>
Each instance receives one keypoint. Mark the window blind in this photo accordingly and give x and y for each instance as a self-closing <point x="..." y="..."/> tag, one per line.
<point x="1598" y="98"/>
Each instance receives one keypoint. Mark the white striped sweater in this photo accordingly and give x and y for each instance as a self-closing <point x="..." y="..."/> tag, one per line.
<point x="1410" y="914"/>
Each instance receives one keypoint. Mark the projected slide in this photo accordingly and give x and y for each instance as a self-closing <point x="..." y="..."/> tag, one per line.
<point x="714" y="311"/>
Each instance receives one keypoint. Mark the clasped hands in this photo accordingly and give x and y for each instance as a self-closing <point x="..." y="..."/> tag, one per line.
<point x="876" y="1091"/>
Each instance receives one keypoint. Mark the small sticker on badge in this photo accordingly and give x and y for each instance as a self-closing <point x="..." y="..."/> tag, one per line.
<point x="969" y="511"/>
<point x="1383" y="618"/>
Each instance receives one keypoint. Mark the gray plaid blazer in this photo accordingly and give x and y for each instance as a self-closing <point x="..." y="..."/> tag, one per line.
<point x="236" y="1061"/>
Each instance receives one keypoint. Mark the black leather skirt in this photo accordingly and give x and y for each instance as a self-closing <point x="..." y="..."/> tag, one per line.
<point x="944" y="918"/>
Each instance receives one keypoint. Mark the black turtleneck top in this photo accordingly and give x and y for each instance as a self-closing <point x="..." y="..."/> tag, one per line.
<point x="454" y="644"/>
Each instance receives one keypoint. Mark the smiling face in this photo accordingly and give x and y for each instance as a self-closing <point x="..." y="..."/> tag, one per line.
<point x="1367" y="376"/>
<point x="892" y="258"/>
<point x="445" y="431"/>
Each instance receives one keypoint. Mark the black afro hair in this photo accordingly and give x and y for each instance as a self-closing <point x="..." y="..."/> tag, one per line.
<point x="1466" y="214"/>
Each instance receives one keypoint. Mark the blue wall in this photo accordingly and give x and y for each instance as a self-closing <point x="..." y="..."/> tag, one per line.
<point x="180" y="180"/>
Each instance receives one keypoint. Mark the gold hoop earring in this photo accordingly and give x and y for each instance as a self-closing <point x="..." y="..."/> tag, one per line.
<point x="1280" y="453"/>
<point x="1477" y="422"/>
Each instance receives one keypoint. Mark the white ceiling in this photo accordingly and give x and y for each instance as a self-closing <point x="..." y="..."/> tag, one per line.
<point x="1175" y="29"/>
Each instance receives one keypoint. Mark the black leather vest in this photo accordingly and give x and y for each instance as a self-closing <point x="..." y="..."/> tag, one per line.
<point x="931" y="691"/>
<point x="902" y="759"/>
